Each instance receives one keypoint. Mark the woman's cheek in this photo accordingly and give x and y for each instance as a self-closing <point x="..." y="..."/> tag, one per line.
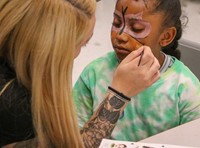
<point x="77" y="52"/>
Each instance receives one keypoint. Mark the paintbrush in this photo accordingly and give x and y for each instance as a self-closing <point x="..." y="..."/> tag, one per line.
<point x="141" y="55"/>
<point x="138" y="44"/>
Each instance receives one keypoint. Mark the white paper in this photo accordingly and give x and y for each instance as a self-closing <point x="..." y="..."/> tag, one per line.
<point x="106" y="143"/>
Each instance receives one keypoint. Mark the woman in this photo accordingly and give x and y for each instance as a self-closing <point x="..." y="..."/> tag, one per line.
<point x="36" y="42"/>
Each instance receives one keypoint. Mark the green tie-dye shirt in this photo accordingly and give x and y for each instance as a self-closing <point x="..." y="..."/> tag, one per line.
<point x="173" y="100"/>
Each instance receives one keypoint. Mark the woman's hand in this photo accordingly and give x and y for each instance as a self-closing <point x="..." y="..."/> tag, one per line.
<point x="131" y="78"/>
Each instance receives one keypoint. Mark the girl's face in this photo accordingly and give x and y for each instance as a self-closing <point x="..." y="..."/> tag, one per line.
<point x="135" y="25"/>
<point x="88" y="36"/>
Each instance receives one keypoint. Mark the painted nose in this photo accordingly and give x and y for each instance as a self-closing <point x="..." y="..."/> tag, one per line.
<point x="122" y="38"/>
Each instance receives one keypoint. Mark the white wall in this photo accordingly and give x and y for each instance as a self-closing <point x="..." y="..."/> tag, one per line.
<point x="190" y="42"/>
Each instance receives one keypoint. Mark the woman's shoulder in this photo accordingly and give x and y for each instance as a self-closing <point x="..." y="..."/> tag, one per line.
<point x="15" y="107"/>
<point x="13" y="93"/>
<point x="6" y="72"/>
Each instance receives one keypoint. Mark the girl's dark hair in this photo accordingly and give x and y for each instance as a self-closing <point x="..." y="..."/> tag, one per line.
<point x="172" y="13"/>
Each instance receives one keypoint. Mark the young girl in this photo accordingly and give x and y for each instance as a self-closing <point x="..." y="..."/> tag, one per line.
<point x="172" y="100"/>
<point x="38" y="41"/>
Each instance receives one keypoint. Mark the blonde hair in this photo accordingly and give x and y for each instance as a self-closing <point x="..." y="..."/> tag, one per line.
<point x="38" y="38"/>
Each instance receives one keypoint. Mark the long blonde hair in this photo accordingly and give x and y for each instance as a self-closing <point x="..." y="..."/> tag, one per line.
<point x="38" y="38"/>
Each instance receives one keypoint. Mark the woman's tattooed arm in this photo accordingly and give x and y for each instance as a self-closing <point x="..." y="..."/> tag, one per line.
<point x="103" y="120"/>
<point x="32" y="143"/>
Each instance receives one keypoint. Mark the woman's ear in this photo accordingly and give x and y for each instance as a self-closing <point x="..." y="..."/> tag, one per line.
<point x="167" y="36"/>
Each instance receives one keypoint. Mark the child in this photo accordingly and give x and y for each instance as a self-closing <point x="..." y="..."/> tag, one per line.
<point x="172" y="100"/>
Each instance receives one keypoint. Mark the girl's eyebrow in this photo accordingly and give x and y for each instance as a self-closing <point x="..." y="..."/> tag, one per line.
<point x="116" y="15"/>
<point x="134" y="19"/>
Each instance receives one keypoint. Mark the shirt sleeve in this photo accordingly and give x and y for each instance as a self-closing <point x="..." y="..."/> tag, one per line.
<point x="189" y="93"/>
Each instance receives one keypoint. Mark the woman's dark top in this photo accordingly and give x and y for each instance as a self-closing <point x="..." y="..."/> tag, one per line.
<point x="15" y="108"/>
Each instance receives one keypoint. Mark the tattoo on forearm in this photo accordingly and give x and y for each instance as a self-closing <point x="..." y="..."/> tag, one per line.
<point x="32" y="143"/>
<point x="103" y="121"/>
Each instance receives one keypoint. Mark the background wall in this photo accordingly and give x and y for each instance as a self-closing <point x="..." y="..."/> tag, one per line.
<point x="100" y="43"/>
<point x="190" y="42"/>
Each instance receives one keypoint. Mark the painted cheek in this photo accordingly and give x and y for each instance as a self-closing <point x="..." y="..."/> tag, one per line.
<point x="135" y="44"/>
<point x="113" y="37"/>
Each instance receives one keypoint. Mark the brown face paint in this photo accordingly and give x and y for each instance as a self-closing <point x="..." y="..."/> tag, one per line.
<point x="136" y="44"/>
<point x="123" y="16"/>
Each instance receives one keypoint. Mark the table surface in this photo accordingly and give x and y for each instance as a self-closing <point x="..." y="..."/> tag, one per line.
<point x="187" y="134"/>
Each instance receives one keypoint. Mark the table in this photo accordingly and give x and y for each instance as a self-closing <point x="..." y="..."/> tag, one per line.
<point x="187" y="134"/>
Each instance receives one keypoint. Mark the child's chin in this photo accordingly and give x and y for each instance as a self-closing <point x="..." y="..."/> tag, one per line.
<point x="120" y="57"/>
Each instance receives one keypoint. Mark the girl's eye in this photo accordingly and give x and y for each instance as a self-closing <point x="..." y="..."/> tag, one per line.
<point x="137" y="28"/>
<point x="116" y="23"/>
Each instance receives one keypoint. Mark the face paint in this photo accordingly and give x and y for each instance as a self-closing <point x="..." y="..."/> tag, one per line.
<point x="124" y="24"/>
<point x="127" y="23"/>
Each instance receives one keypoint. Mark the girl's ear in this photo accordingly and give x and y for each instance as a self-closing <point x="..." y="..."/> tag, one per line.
<point x="167" y="36"/>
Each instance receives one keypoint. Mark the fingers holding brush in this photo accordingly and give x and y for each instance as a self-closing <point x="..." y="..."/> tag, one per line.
<point x="146" y="58"/>
<point x="138" y="71"/>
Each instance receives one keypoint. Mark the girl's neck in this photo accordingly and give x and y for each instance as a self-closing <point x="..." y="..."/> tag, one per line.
<point x="161" y="59"/>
